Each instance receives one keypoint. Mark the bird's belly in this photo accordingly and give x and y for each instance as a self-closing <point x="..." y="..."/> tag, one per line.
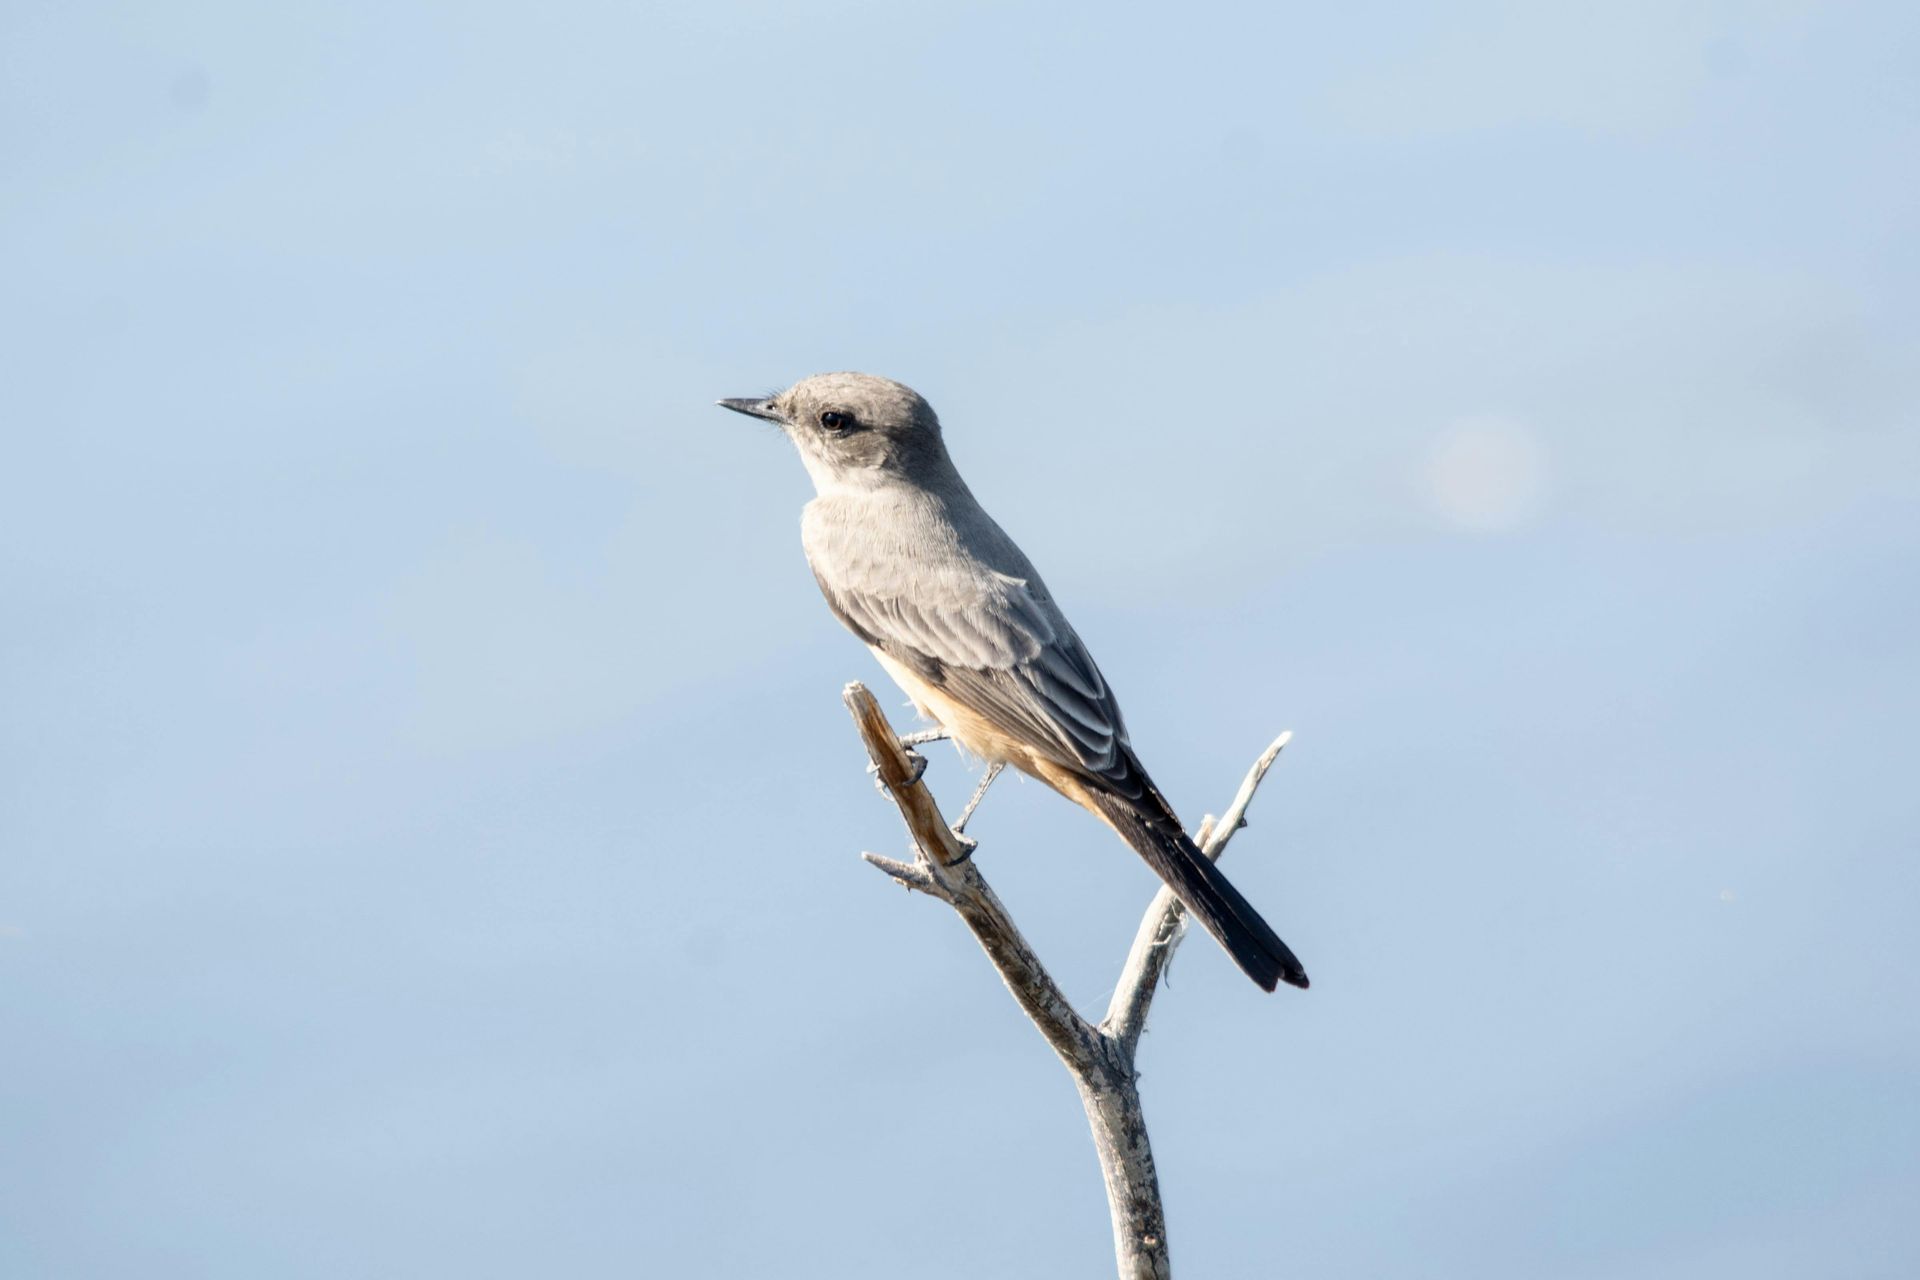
<point x="980" y="737"/>
<point x="971" y="730"/>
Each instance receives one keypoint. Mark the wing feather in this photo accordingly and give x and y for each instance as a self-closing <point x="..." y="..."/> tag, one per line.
<point x="1003" y="649"/>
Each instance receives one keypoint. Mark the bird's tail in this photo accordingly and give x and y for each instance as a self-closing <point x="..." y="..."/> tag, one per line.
<point x="1157" y="837"/>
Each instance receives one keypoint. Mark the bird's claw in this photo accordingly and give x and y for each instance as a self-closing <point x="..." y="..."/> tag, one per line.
<point x="967" y="845"/>
<point x="916" y="769"/>
<point x="917" y="766"/>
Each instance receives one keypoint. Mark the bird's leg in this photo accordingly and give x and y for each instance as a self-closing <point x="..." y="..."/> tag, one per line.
<point x="915" y="761"/>
<point x="922" y="736"/>
<point x="979" y="792"/>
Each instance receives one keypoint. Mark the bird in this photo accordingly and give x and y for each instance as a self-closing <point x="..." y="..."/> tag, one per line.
<point x="912" y="564"/>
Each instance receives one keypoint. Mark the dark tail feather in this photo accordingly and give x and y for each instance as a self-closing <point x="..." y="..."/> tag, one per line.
<point x="1254" y="946"/>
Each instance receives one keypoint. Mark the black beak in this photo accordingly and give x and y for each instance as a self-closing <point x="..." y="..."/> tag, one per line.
<point x="754" y="408"/>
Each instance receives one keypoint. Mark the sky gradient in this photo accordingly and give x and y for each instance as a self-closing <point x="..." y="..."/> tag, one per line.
<point x="428" y="825"/>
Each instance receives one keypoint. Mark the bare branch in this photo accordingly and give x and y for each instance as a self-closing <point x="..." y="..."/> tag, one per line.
<point x="1236" y="815"/>
<point x="936" y="840"/>
<point x="943" y="862"/>
<point x="908" y="874"/>
<point x="1100" y="1059"/>
<point x="1166" y="920"/>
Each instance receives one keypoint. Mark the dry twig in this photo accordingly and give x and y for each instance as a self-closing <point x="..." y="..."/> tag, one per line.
<point x="1100" y="1058"/>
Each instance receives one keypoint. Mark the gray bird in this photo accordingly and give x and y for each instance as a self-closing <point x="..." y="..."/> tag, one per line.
<point x="955" y="612"/>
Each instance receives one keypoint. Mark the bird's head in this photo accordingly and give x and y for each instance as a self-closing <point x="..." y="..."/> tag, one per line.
<point x="854" y="428"/>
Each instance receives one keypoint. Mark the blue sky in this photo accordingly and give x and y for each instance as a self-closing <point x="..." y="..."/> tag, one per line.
<point x="429" y="825"/>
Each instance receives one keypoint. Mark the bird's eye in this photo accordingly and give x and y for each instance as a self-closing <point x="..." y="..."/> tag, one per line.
<point x="834" y="420"/>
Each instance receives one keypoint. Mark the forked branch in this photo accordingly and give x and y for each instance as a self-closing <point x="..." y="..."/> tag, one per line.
<point x="1100" y="1058"/>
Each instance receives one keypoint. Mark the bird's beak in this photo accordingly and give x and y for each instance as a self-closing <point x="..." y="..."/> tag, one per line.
<point x="754" y="409"/>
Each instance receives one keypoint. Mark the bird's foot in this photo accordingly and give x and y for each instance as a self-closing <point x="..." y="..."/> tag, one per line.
<point x="967" y="845"/>
<point x="916" y="768"/>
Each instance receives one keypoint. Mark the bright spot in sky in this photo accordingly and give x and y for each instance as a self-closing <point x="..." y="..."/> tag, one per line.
<point x="1486" y="473"/>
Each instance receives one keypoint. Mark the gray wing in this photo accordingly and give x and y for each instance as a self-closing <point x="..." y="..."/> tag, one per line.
<point x="997" y="644"/>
